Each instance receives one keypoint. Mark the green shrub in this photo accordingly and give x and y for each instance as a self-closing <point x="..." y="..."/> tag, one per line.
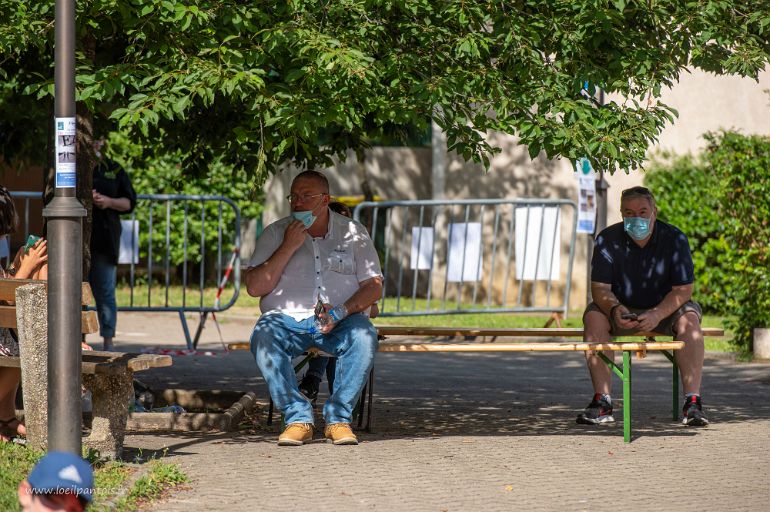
<point x="683" y="191"/>
<point x="162" y="174"/>
<point x="722" y="202"/>
<point x="742" y="165"/>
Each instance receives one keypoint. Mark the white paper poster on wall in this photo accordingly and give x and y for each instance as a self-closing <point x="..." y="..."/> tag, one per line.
<point x="129" y="242"/>
<point x="532" y="225"/>
<point x="422" y="256"/>
<point x="464" y="242"/>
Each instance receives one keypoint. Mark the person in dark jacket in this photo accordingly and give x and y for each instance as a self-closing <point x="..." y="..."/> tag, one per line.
<point x="113" y="195"/>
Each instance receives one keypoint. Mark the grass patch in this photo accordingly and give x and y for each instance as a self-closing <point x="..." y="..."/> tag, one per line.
<point x="161" y="478"/>
<point x="15" y="464"/>
<point x="110" y="477"/>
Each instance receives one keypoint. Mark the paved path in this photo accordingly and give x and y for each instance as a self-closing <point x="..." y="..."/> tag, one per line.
<point x="464" y="432"/>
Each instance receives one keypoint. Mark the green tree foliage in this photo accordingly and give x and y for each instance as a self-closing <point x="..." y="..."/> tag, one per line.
<point x="722" y="201"/>
<point x="255" y="83"/>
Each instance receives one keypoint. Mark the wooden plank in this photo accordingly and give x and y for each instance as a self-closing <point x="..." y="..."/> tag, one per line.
<point x="513" y="332"/>
<point x="8" y="289"/>
<point x="107" y="363"/>
<point x="10" y="362"/>
<point x="89" y="322"/>
<point x="89" y="319"/>
<point x="511" y="347"/>
<point x="527" y="347"/>
<point x="147" y="361"/>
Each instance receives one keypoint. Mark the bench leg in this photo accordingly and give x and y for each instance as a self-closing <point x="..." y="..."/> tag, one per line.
<point x="624" y="373"/>
<point x="369" y="413"/>
<point x="110" y="398"/>
<point x="626" y="396"/>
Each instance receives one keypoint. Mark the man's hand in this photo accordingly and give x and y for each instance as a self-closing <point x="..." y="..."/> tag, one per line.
<point x="648" y="320"/>
<point x="331" y="316"/>
<point x="294" y="236"/>
<point x="327" y="324"/>
<point x="617" y="314"/>
<point x="100" y="200"/>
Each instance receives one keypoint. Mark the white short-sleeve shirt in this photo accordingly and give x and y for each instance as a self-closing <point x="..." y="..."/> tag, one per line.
<point x="330" y="267"/>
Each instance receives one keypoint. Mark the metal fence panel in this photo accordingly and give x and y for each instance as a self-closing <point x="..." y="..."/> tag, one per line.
<point x="152" y="275"/>
<point x="473" y="255"/>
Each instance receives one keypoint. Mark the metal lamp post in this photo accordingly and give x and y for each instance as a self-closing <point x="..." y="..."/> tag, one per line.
<point x="65" y="253"/>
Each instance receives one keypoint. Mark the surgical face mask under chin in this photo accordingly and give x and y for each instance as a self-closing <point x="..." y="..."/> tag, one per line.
<point x="637" y="228"/>
<point x="307" y="218"/>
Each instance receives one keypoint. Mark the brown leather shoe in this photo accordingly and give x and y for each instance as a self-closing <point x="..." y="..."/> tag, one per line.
<point x="296" y="434"/>
<point x="340" y="433"/>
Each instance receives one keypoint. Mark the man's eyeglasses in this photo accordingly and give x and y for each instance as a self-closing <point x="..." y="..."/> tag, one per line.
<point x="304" y="198"/>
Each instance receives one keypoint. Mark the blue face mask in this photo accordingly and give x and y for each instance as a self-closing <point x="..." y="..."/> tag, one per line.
<point x="637" y="228"/>
<point x="307" y="218"/>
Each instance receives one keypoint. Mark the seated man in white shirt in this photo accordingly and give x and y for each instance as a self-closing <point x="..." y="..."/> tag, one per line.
<point x="313" y="255"/>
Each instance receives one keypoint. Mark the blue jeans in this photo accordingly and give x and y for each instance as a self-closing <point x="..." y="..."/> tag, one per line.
<point x="317" y="367"/>
<point x="102" y="280"/>
<point x="277" y="338"/>
<point x="320" y="365"/>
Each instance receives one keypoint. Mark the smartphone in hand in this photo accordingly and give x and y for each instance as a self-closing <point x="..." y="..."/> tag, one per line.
<point x="320" y="321"/>
<point x="629" y="316"/>
<point x="31" y="241"/>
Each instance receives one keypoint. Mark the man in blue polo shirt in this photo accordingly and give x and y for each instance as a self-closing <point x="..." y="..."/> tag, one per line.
<point x="642" y="280"/>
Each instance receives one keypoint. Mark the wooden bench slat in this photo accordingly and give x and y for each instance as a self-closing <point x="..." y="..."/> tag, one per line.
<point x="543" y="346"/>
<point x="89" y="319"/>
<point x="8" y="289"/>
<point x="402" y="330"/>
<point x="107" y="363"/>
<point x="527" y="347"/>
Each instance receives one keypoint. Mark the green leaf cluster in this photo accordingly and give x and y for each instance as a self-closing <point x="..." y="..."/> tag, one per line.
<point x="721" y="200"/>
<point x="255" y="83"/>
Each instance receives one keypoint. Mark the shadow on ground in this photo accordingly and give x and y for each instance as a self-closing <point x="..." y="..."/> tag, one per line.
<point x="434" y="395"/>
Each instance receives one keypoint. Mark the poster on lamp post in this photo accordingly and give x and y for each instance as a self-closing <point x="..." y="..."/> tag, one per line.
<point x="586" y="196"/>
<point x="66" y="135"/>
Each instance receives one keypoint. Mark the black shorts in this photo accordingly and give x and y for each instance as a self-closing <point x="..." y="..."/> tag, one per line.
<point x="666" y="326"/>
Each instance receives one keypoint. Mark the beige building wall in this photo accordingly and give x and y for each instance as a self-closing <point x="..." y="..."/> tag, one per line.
<point x="705" y="102"/>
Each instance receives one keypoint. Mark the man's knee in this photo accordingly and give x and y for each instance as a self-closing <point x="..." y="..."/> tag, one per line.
<point x="263" y="340"/>
<point x="596" y="324"/>
<point x="362" y="336"/>
<point x="688" y="325"/>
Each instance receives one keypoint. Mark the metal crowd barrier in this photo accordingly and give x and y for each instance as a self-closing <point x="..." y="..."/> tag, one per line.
<point x="473" y="256"/>
<point x="149" y="268"/>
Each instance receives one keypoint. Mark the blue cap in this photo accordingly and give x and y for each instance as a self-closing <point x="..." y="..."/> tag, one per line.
<point x="62" y="472"/>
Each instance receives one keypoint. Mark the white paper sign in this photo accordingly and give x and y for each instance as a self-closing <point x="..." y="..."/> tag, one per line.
<point x="464" y="255"/>
<point x="129" y="242"/>
<point x="422" y="256"/>
<point x="533" y="225"/>
<point x="586" y="197"/>
<point x="66" y="134"/>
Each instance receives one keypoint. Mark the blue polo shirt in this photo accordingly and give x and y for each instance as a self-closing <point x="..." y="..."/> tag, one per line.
<point x="642" y="276"/>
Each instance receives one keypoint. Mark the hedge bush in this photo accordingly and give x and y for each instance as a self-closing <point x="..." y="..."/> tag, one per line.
<point x="162" y="174"/>
<point x="721" y="200"/>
